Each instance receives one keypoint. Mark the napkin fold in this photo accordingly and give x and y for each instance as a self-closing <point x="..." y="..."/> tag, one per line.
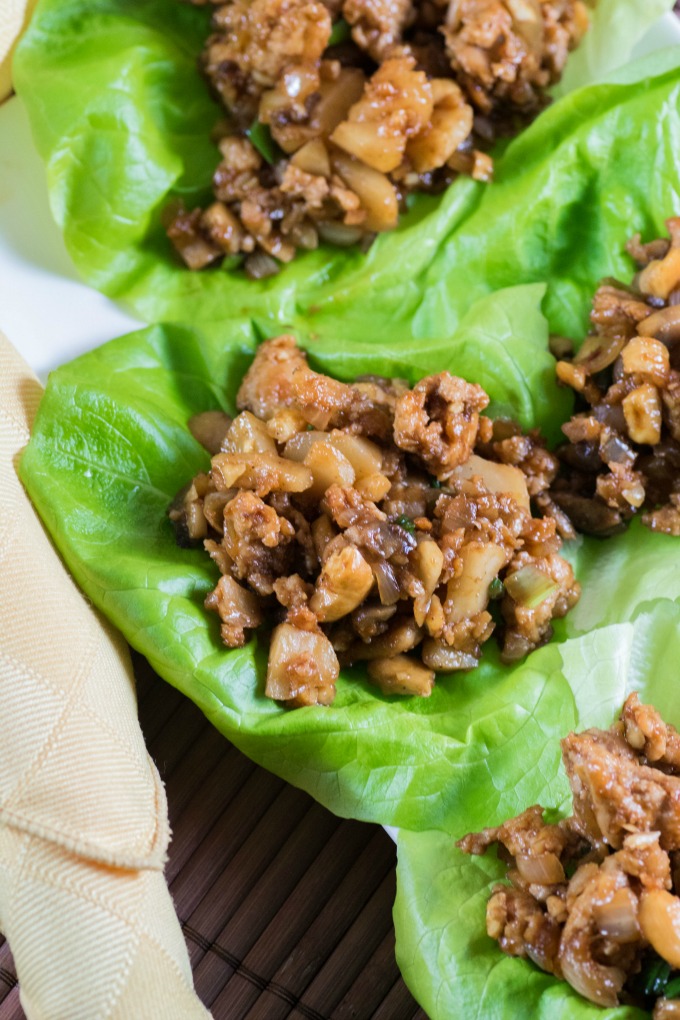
<point x="14" y="17"/>
<point x="83" y="816"/>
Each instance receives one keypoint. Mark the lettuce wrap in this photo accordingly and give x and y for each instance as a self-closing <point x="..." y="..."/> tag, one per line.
<point x="472" y="282"/>
<point x="122" y="118"/>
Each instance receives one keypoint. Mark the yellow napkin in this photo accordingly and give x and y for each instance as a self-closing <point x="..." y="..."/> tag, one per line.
<point x="83" y="817"/>
<point x="14" y="16"/>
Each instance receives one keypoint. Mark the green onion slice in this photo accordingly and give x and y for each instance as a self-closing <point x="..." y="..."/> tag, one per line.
<point x="340" y="33"/>
<point x="261" y="137"/>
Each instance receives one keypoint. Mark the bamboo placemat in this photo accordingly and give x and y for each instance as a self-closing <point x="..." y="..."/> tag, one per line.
<point x="286" y="909"/>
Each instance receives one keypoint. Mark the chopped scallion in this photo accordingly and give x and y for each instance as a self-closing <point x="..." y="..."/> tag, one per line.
<point x="672" y="989"/>
<point x="261" y="137"/>
<point x="656" y="977"/>
<point x="339" y="33"/>
<point x="496" y="588"/>
<point x="406" y="523"/>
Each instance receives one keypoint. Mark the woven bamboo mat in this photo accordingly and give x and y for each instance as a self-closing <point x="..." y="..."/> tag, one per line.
<point x="286" y="909"/>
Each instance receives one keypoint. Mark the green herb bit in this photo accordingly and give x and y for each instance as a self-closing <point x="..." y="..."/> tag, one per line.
<point x="672" y="989"/>
<point x="406" y="523"/>
<point x="435" y="483"/>
<point x="340" y="33"/>
<point x="529" y="586"/>
<point x="261" y="137"/>
<point x="496" y="588"/>
<point x="656" y="977"/>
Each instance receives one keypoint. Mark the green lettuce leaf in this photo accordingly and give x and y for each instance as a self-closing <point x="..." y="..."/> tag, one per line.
<point x="451" y="966"/>
<point x="110" y="449"/>
<point x="449" y="963"/>
<point x="615" y="30"/>
<point x="624" y="637"/>
<point x="121" y="116"/>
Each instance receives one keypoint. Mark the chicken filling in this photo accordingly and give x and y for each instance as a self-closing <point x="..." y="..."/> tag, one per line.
<point x="372" y="523"/>
<point x="595" y="899"/>
<point x="337" y="110"/>
<point x="623" y="452"/>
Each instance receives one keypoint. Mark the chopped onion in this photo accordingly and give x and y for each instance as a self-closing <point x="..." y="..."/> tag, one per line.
<point x="598" y="352"/>
<point x="543" y="869"/>
<point x="388" y="585"/>
<point x="529" y="586"/>
<point x="617" y="919"/>
<point x="663" y="325"/>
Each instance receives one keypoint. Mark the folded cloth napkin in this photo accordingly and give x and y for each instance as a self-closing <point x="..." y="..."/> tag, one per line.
<point x="83" y="817"/>
<point x="14" y="16"/>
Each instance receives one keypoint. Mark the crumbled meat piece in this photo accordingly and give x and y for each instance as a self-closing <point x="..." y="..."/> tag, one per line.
<point x="523" y="928"/>
<point x="312" y="188"/>
<point x="529" y="453"/>
<point x="348" y="507"/>
<point x="499" y="54"/>
<point x="377" y="25"/>
<point x="257" y="540"/>
<point x="665" y="519"/>
<point x="351" y="544"/>
<point x="527" y="835"/>
<point x="623" y="454"/>
<point x="438" y="420"/>
<point x="615" y="795"/>
<point x="196" y="249"/>
<point x="594" y="897"/>
<point x="261" y="40"/>
<point x="323" y="145"/>
<point x="616" y="312"/>
<point x="646" y="732"/>
<point x="280" y="378"/>
<point x="237" y="608"/>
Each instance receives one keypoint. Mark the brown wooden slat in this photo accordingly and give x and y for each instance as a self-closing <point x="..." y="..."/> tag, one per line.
<point x="222" y="839"/>
<point x="398" y="1004"/>
<point x="245" y="869"/>
<point x="375" y="980"/>
<point x="319" y="835"/>
<point x="283" y="904"/>
<point x="349" y="957"/>
<point x="10" y="1007"/>
<point x="315" y="945"/>
<point x="193" y="771"/>
<point x="8" y="976"/>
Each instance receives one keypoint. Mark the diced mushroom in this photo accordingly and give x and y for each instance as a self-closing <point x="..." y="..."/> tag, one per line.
<point x="261" y="472"/>
<point x="499" y="478"/>
<point x="209" y="429"/>
<point x="468" y="593"/>
<point x="401" y="675"/>
<point x="344" y="582"/>
<point x="248" y="434"/>
<point x="642" y="410"/>
<point x="443" y="659"/>
<point x="302" y="667"/>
